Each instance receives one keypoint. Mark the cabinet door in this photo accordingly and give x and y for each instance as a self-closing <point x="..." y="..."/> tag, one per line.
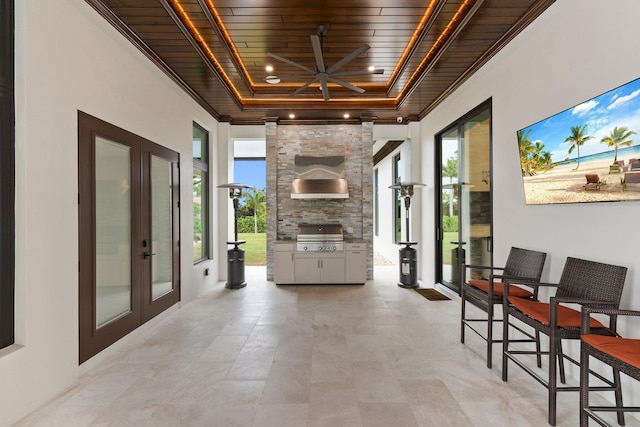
<point x="356" y="267"/>
<point x="332" y="270"/>
<point x="283" y="267"/>
<point x="356" y="263"/>
<point x="307" y="270"/>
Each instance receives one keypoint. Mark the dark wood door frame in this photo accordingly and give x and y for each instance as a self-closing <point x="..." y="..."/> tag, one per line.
<point x="93" y="339"/>
<point x="152" y="308"/>
<point x="7" y="174"/>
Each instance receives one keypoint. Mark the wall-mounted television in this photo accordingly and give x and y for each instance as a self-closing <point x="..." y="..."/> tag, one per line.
<point x="587" y="153"/>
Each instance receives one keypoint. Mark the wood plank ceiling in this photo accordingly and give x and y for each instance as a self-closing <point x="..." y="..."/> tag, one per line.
<point x="217" y="50"/>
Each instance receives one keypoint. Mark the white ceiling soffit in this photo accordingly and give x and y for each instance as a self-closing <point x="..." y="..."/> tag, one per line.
<point x="247" y="149"/>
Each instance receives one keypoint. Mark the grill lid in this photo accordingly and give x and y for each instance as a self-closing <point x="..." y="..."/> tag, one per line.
<point x="319" y="232"/>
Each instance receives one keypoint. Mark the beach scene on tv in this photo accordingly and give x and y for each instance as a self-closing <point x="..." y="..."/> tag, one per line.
<point x="588" y="153"/>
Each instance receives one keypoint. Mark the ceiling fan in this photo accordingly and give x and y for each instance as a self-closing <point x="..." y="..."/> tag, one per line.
<point x="324" y="74"/>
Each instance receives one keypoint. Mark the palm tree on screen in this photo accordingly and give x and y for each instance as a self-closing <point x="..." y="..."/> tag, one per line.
<point x="526" y="148"/>
<point x="619" y="137"/>
<point x="577" y="138"/>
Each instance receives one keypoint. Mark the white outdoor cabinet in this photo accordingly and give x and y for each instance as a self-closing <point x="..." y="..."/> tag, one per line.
<point x="284" y="262"/>
<point x="320" y="267"/>
<point x="292" y="267"/>
<point x="356" y="262"/>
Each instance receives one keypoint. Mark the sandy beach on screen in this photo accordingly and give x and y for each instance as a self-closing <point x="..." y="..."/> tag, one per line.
<point x="564" y="184"/>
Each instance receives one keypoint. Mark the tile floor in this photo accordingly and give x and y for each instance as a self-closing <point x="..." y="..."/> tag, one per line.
<point x="309" y="356"/>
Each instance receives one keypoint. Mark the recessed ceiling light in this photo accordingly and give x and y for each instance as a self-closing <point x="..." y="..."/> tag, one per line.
<point x="346" y="115"/>
<point x="269" y="68"/>
<point x="372" y="68"/>
<point x="292" y="116"/>
<point x="272" y="80"/>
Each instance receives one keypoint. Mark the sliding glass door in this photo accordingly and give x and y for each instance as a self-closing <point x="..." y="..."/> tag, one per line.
<point x="464" y="209"/>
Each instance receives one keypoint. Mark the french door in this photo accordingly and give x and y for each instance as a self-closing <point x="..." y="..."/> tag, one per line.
<point x="464" y="212"/>
<point x="128" y="232"/>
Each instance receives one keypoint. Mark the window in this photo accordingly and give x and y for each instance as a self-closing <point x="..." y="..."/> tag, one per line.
<point x="200" y="194"/>
<point x="376" y="201"/>
<point x="7" y="174"/>
<point x="397" y="201"/>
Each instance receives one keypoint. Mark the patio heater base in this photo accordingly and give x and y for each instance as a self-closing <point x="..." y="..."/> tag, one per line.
<point x="408" y="266"/>
<point x="235" y="267"/>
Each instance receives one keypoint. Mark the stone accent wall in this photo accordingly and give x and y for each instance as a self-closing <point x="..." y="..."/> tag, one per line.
<point x="355" y="143"/>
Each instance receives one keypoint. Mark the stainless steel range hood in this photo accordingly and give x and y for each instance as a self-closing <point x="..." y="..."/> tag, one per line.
<point x="319" y="178"/>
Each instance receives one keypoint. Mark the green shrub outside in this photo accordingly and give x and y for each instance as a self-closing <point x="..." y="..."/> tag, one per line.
<point x="246" y="225"/>
<point x="450" y="223"/>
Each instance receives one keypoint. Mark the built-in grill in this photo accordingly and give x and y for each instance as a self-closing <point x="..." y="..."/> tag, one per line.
<point x="320" y="238"/>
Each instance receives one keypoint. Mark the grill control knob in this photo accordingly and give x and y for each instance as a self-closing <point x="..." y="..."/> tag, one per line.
<point x="335" y="249"/>
<point x="320" y="248"/>
<point x="304" y="249"/>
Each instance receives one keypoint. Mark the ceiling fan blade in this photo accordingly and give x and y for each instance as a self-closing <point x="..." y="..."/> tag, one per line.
<point x="295" y="64"/>
<point x="358" y="73"/>
<point x="303" y="87"/>
<point x="299" y="76"/>
<point x="317" y="51"/>
<point x="324" y="88"/>
<point x="353" y="55"/>
<point x="345" y="84"/>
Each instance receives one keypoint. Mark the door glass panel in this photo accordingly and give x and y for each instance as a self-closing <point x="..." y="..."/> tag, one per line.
<point x="113" y="231"/>
<point x="161" y="227"/>
<point x="475" y="200"/>
<point x="199" y="220"/>
<point x="449" y="203"/>
<point x="398" y="201"/>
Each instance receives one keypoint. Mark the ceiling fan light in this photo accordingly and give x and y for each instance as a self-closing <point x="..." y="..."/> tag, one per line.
<point x="274" y="80"/>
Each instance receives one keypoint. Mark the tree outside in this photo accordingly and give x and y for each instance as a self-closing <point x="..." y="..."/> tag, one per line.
<point x="254" y="205"/>
<point x="252" y="225"/>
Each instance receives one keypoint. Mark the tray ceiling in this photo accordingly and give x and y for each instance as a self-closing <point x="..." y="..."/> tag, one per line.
<point x="217" y="50"/>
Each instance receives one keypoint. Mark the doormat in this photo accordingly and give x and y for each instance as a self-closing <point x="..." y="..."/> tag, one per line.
<point x="432" y="294"/>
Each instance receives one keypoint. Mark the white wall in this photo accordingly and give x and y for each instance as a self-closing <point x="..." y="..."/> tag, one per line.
<point x="576" y="50"/>
<point x="69" y="59"/>
<point x="384" y="243"/>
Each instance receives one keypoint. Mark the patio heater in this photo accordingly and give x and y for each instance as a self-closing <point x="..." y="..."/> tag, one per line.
<point x="235" y="255"/>
<point x="408" y="258"/>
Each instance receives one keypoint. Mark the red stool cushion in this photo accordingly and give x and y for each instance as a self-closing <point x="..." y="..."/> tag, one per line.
<point x="567" y="317"/>
<point x="498" y="288"/>
<point x="625" y="349"/>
